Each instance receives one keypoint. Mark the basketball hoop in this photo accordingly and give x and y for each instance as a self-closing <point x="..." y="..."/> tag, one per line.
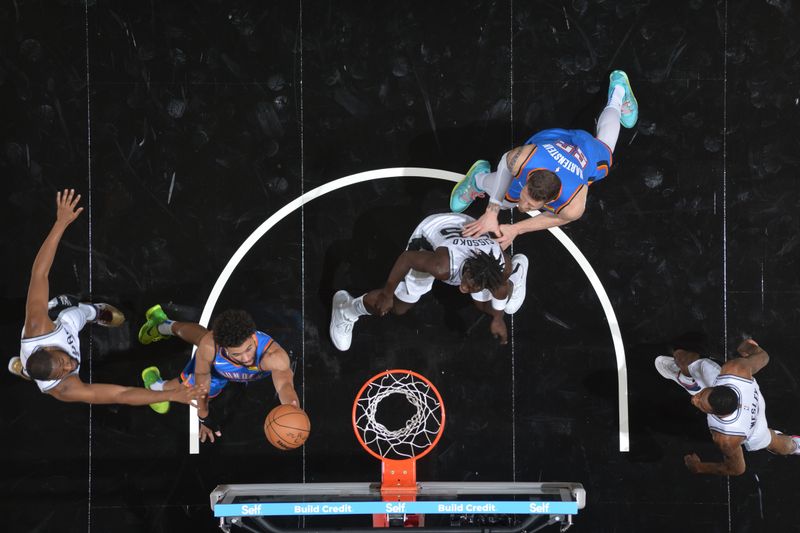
<point x="398" y="447"/>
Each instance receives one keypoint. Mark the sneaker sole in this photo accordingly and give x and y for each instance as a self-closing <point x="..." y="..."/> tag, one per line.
<point x="453" y="191"/>
<point x="11" y="368"/>
<point x="148" y="315"/>
<point x="629" y="91"/>
<point x="523" y="261"/>
<point x="161" y="408"/>
<point x="334" y="306"/>
<point x="117" y="316"/>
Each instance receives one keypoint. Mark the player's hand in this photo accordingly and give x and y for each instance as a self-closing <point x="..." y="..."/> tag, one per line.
<point x="748" y="347"/>
<point x="508" y="232"/>
<point x="385" y="301"/>
<point x="66" y="211"/>
<point x="290" y="398"/>
<point x="692" y="462"/>
<point x="206" y="433"/>
<point x="499" y="330"/>
<point x="189" y="395"/>
<point x="486" y="224"/>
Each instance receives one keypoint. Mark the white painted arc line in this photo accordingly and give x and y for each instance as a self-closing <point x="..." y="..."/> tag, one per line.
<point x="222" y="280"/>
<point x="613" y="326"/>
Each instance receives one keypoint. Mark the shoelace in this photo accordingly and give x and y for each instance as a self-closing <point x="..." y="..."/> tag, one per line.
<point x="470" y="194"/>
<point x="627" y="108"/>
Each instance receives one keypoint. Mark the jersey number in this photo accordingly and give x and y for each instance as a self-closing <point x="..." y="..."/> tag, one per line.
<point x="575" y="152"/>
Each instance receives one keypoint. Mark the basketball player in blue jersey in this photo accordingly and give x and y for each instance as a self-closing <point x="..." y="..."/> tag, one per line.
<point x="437" y="251"/>
<point x="50" y="351"/>
<point x="233" y="350"/>
<point x="737" y="415"/>
<point x="552" y="171"/>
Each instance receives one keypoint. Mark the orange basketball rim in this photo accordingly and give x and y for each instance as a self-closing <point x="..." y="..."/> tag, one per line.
<point x="398" y="449"/>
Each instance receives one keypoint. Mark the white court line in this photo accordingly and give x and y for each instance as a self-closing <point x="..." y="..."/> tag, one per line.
<point x="213" y="297"/>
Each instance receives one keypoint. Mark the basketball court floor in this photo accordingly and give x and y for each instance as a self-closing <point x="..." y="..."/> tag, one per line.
<point x="187" y="125"/>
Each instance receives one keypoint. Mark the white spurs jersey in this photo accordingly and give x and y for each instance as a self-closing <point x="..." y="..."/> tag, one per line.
<point x="742" y="422"/>
<point x="64" y="337"/>
<point x="444" y="230"/>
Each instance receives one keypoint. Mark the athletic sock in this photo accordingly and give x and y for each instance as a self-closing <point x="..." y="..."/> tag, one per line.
<point x="616" y="98"/>
<point x="796" y="440"/>
<point x="89" y="311"/>
<point x="165" y="328"/>
<point x="158" y="385"/>
<point x="686" y="380"/>
<point x="496" y="183"/>
<point x="482" y="179"/>
<point x="356" y="309"/>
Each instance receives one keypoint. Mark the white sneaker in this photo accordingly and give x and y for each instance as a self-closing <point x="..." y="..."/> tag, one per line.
<point x="669" y="369"/>
<point x="519" y="278"/>
<point x="15" y="367"/>
<point x="341" y="329"/>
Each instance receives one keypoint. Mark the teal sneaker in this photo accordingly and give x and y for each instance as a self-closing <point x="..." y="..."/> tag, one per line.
<point x="148" y="333"/>
<point x="629" y="113"/>
<point x="467" y="190"/>
<point x="152" y="375"/>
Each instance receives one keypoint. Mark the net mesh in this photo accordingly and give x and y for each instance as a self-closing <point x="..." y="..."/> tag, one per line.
<point x="418" y="432"/>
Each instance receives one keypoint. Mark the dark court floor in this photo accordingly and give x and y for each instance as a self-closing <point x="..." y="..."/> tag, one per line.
<point x="186" y="124"/>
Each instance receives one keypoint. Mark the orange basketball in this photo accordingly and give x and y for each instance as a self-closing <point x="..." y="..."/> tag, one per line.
<point x="287" y="427"/>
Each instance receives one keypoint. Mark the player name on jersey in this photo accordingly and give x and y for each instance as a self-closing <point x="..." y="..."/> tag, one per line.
<point x="562" y="160"/>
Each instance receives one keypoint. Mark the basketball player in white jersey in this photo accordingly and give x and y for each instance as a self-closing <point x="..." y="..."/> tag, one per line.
<point x="737" y="415"/>
<point x="437" y="250"/>
<point x="50" y="350"/>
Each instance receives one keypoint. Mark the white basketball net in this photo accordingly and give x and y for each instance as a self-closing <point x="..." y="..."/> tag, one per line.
<point x="419" y="431"/>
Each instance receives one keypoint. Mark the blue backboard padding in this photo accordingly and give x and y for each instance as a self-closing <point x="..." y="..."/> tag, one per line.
<point x="429" y="507"/>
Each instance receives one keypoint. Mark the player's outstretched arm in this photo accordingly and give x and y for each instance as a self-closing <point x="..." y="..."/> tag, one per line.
<point x="203" y="358"/>
<point x="511" y="164"/>
<point x="73" y="389"/>
<point x="436" y="263"/>
<point x="573" y="211"/>
<point x="497" y="327"/>
<point x="277" y="361"/>
<point x="733" y="458"/>
<point x="36" y="319"/>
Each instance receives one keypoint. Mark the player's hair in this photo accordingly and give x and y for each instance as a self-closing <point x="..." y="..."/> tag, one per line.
<point x="40" y="364"/>
<point x="485" y="270"/>
<point x="543" y="185"/>
<point x="691" y="341"/>
<point x="723" y="400"/>
<point x="232" y="327"/>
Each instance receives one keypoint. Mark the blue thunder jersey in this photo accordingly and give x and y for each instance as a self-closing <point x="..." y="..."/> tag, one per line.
<point x="224" y="370"/>
<point x="575" y="156"/>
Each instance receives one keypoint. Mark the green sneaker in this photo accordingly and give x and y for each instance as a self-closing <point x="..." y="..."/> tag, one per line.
<point x="467" y="190"/>
<point x="629" y="113"/>
<point x="148" y="333"/>
<point x="152" y="375"/>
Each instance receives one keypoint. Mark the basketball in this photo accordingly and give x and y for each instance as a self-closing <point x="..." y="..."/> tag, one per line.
<point x="287" y="427"/>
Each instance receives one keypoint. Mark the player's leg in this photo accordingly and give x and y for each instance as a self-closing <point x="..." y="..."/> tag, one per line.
<point x="479" y="180"/>
<point x="784" y="444"/>
<point x="68" y="308"/>
<point x="621" y="108"/>
<point x="687" y="369"/>
<point x="158" y="326"/>
<point x="190" y="332"/>
<point x="346" y="310"/>
<point x="151" y="377"/>
<point x="466" y="190"/>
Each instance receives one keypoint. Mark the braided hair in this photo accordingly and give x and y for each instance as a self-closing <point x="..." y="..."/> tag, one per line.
<point x="485" y="270"/>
